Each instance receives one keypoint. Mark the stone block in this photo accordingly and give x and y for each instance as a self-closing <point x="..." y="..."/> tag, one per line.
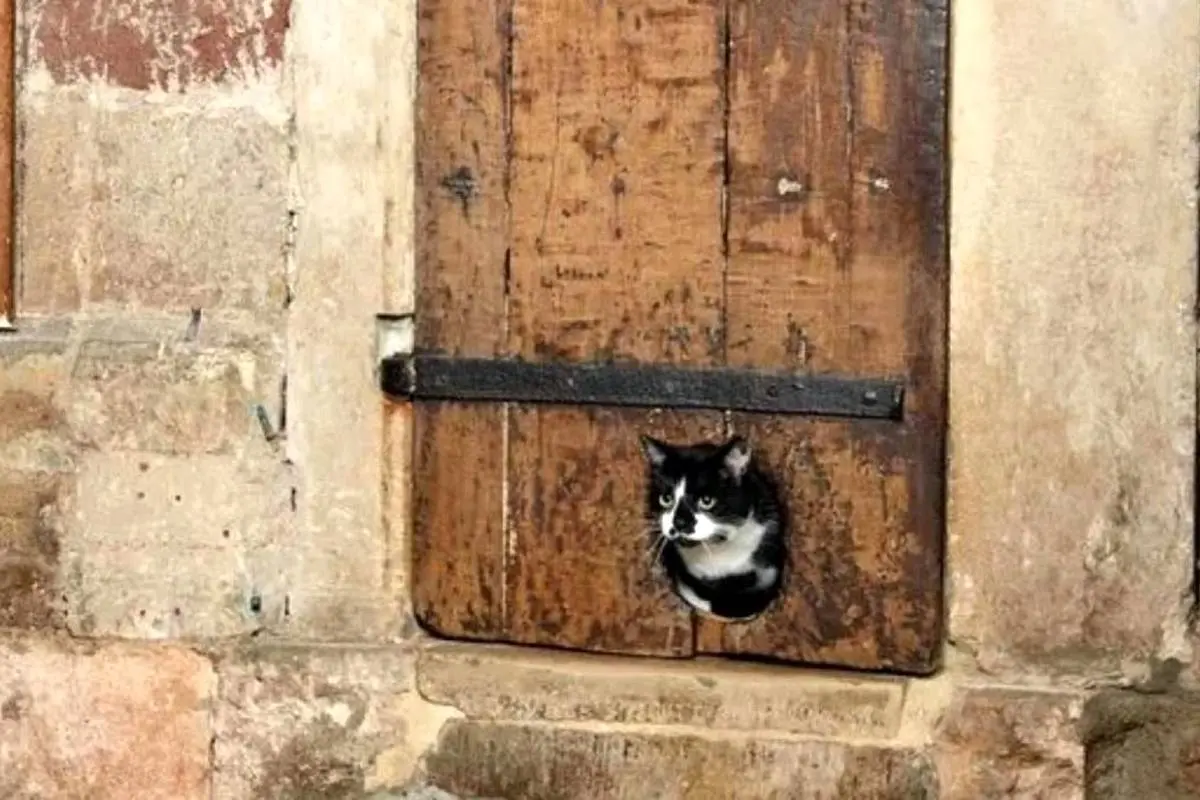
<point x="1142" y="746"/>
<point x="25" y="495"/>
<point x="27" y="411"/>
<point x="112" y="721"/>
<point x="29" y="549"/>
<point x="132" y="207"/>
<point x="35" y="453"/>
<point x="27" y="597"/>
<point x="354" y="175"/>
<point x="164" y="546"/>
<point x="510" y="684"/>
<point x="154" y="45"/>
<point x="995" y="743"/>
<point x="490" y="759"/>
<point x="169" y="397"/>
<point x="34" y="373"/>
<point x="1072" y="333"/>
<point x="319" y="723"/>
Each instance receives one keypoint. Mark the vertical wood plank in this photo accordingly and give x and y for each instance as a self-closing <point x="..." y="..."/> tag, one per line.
<point x="849" y="550"/>
<point x="462" y="175"/>
<point x="583" y="572"/>
<point x="899" y="212"/>
<point x="789" y="194"/>
<point x="7" y="154"/>
<point x="463" y="229"/>
<point x="865" y="497"/>
<point x="618" y="166"/>
<point x="458" y="521"/>
<point x="890" y="214"/>
<point x="617" y="253"/>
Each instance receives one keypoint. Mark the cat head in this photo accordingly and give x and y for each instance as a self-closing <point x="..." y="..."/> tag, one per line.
<point x="697" y="493"/>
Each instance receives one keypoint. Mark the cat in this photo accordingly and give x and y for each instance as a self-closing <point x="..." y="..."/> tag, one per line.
<point x="718" y="522"/>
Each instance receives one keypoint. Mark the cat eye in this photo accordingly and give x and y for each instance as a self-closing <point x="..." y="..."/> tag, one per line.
<point x="666" y="499"/>
<point x="706" y="503"/>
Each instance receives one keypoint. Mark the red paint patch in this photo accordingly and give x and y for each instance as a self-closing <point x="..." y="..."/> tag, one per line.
<point x="163" y="44"/>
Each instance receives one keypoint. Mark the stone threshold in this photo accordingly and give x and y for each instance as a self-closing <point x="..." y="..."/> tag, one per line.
<point x="531" y="685"/>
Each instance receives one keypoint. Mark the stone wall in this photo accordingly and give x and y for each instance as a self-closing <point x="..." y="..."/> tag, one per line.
<point x="203" y="500"/>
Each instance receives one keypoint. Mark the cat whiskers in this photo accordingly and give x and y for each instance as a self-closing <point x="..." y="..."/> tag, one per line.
<point x="655" y="550"/>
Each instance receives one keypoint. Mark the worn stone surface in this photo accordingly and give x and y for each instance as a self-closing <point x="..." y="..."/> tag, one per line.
<point x="512" y="760"/>
<point x="354" y="183"/>
<point x="506" y="683"/>
<point x="1142" y="746"/>
<point x="164" y="385"/>
<point x="164" y="546"/>
<point x="1072" y="332"/>
<point x="397" y="508"/>
<point x="415" y="793"/>
<point x="183" y="383"/>
<point x="170" y="397"/>
<point x="111" y="721"/>
<point x="994" y="743"/>
<point x="35" y="456"/>
<point x="34" y="371"/>
<point x="156" y="45"/>
<point x="329" y="723"/>
<point x="112" y="218"/>
<point x="29" y="549"/>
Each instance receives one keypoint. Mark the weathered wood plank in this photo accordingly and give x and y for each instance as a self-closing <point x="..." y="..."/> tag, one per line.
<point x="910" y="153"/>
<point x="458" y="522"/>
<point x="617" y="141"/>
<point x="899" y="216"/>
<point x="463" y="229"/>
<point x="789" y="193"/>
<point x="462" y="175"/>
<point x="582" y="572"/>
<point x="845" y="601"/>
<point x="866" y="539"/>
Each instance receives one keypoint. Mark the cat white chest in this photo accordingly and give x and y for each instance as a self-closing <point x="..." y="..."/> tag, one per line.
<point x="734" y="556"/>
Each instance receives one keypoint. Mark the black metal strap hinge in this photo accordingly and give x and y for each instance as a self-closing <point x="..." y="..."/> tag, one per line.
<point x="426" y="377"/>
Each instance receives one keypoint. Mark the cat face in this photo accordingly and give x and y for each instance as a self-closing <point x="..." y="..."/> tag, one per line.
<point x="696" y="491"/>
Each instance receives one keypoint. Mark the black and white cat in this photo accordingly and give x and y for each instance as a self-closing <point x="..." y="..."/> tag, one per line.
<point x="717" y="519"/>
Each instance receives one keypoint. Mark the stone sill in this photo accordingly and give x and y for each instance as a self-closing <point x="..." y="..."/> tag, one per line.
<point x="531" y="685"/>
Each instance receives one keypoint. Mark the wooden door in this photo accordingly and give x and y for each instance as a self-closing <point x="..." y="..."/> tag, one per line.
<point x="746" y="183"/>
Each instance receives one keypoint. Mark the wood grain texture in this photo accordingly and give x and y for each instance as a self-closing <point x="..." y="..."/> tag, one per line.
<point x="462" y="175"/>
<point x="458" y="521"/>
<point x="789" y="192"/>
<point x="7" y="155"/>
<point x="911" y="40"/>
<point x="618" y="118"/>
<point x="865" y="499"/>
<point x="847" y="600"/>
<point x="463" y="229"/>
<point x="618" y="165"/>
<point x="582" y="573"/>
<point x="574" y="157"/>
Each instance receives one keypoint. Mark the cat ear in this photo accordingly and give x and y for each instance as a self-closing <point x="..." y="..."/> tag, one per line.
<point x="656" y="451"/>
<point x="737" y="456"/>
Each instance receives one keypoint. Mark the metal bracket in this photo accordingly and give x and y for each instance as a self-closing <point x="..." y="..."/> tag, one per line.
<point x="427" y="377"/>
